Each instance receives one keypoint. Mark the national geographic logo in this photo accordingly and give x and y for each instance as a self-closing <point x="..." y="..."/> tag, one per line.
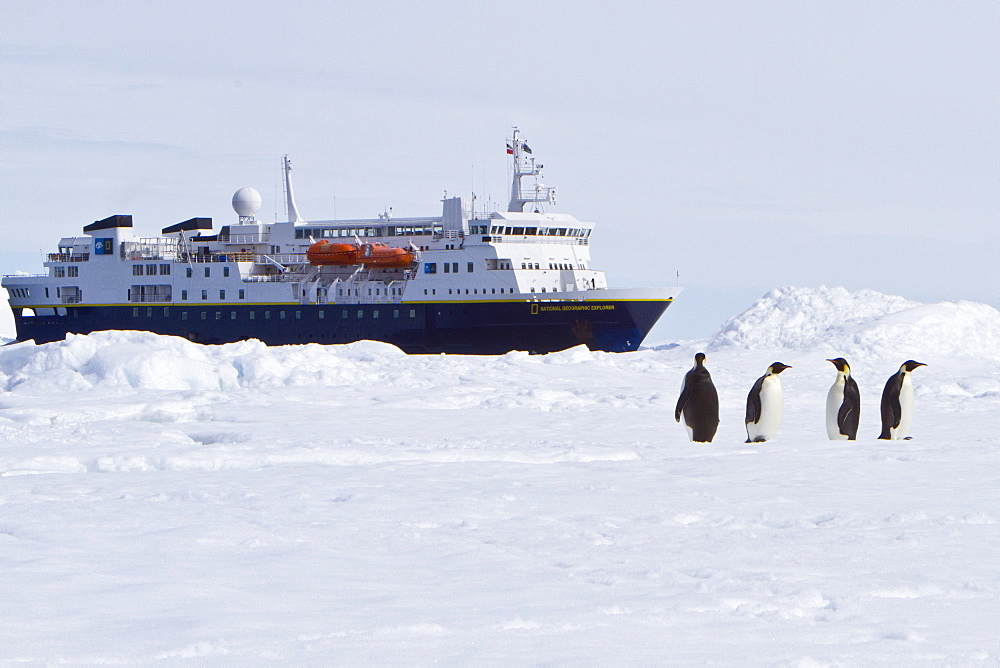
<point x="572" y="307"/>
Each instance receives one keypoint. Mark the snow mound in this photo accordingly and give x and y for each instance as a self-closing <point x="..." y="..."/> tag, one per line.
<point x="151" y="361"/>
<point x="113" y="358"/>
<point x="863" y="323"/>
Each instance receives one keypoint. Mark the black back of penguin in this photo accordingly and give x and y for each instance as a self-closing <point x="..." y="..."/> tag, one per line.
<point x="699" y="403"/>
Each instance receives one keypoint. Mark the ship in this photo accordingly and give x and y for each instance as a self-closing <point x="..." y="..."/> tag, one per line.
<point x="463" y="282"/>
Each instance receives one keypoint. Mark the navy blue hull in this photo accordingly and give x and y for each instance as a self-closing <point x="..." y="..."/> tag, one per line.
<point x="478" y="328"/>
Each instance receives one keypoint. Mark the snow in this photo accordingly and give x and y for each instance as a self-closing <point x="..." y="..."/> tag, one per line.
<point x="166" y="502"/>
<point x="863" y="324"/>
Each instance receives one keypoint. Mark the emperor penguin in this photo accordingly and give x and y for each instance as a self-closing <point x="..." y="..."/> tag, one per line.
<point x="765" y="405"/>
<point x="698" y="403"/>
<point x="897" y="403"/>
<point x="843" y="404"/>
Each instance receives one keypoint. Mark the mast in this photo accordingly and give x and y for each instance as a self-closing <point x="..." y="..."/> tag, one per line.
<point x="525" y="166"/>
<point x="290" y="208"/>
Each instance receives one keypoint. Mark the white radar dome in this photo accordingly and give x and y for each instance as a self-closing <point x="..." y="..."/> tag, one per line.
<point x="246" y="201"/>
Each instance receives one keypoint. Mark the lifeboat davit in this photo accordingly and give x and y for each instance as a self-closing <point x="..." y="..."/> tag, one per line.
<point x="371" y="255"/>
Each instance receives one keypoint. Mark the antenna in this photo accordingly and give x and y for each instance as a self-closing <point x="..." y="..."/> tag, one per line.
<point x="290" y="208"/>
<point x="525" y="166"/>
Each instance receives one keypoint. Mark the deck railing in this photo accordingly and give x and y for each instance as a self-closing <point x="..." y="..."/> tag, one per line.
<point x="151" y="298"/>
<point x="68" y="257"/>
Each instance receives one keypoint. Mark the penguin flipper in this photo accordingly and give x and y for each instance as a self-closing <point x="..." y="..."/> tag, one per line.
<point x="844" y="417"/>
<point x="890" y="419"/>
<point x="682" y="400"/>
<point x="892" y="412"/>
<point x="753" y="402"/>
<point x="850" y="410"/>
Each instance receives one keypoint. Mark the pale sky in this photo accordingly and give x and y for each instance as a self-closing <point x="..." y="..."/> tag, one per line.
<point x="744" y="145"/>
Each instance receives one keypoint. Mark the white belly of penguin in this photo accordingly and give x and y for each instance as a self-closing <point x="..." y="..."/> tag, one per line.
<point x="834" y="400"/>
<point x="772" y="405"/>
<point x="905" y="409"/>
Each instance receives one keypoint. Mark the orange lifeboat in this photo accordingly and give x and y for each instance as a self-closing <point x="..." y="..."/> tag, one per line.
<point x="371" y="255"/>
<point x="324" y="253"/>
<point x="380" y="255"/>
